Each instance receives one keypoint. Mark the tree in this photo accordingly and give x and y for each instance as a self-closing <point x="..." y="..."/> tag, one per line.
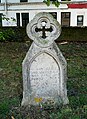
<point x="55" y="2"/>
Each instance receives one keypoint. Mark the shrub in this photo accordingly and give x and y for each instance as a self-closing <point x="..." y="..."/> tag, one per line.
<point x="13" y="34"/>
<point x="69" y="34"/>
<point x="7" y="34"/>
<point x="2" y="38"/>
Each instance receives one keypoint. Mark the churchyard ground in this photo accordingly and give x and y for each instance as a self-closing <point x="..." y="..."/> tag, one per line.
<point x="11" y="57"/>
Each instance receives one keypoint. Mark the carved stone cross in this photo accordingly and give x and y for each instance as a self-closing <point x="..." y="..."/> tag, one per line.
<point x="44" y="29"/>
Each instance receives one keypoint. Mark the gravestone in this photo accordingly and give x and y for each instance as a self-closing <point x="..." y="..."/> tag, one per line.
<point x="44" y="67"/>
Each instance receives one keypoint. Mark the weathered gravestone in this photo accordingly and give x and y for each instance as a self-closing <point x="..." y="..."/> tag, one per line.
<point x="44" y="67"/>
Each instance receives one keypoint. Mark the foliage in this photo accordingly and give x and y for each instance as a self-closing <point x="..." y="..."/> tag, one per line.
<point x="19" y="34"/>
<point x="55" y="2"/>
<point x="72" y="34"/>
<point x="47" y="2"/>
<point x="13" y="34"/>
<point x="8" y="19"/>
<point x="6" y="34"/>
<point x="2" y="38"/>
<point x="11" y="57"/>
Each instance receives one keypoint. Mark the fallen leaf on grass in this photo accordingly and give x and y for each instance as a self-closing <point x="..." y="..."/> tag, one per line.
<point x="63" y="43"/>
<point x="12" y="117"/>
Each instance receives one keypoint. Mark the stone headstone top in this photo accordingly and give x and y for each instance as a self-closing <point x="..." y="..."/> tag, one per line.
<point x="43" y="29"/>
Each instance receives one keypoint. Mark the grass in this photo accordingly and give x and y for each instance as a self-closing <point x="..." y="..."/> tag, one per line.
<point x="11" y="57"/>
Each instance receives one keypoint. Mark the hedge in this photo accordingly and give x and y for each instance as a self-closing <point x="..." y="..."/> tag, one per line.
<point x="72" y="34"/>
<point x="14" y="34"/>
<point x="69" y="34"/>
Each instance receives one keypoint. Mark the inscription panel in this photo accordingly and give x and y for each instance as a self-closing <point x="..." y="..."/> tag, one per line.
<point x="44" y="76"/>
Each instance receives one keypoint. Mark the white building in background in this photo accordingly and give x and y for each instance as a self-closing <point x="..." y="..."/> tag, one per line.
<point x="71" y="13"/>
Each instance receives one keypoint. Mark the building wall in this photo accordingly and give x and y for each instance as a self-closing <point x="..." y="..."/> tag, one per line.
<point x="18" y="1"/>
<point x="13" y="1"/>
<point x="10" y="10"/>
<point x="79" y="0"/>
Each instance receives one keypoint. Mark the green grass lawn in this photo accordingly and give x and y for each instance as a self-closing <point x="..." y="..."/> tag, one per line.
<point x="11" y="57"/>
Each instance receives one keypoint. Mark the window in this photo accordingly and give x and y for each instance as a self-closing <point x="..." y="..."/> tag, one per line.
<point x="54" y="14"/>
<point x="80" y="20"/>
<point x="25" y="19"/>
<point x="18" y="19"/>
<point x="65" y="19"/>
<point x="23" y="0"/>
<point x="1" y="19"/>
<point x="65" y="14"/>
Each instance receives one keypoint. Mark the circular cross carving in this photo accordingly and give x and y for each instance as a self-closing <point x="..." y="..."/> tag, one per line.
<point x="43" y="29"/>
